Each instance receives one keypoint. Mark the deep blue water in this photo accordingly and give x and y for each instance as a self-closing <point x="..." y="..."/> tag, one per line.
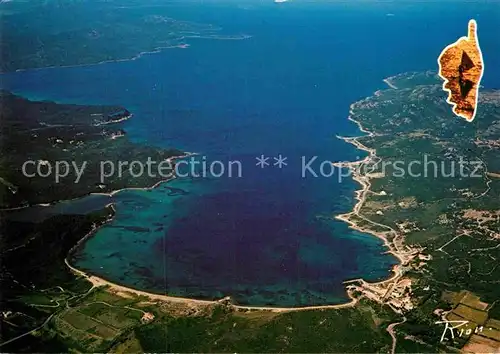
<point x="268" y="237"/>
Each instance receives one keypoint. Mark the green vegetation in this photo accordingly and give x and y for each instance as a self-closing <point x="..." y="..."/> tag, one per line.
<point x="48" y="133"/>
<point x="102" y="31"/>
<point x="454" y="220"/>
<point x="359" y="329"/>
<point x="35" y="282"/>
<point x="440" y="192"/>
<point x="219" y="328"/>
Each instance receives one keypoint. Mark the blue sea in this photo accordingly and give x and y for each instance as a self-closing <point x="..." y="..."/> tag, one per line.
<point x="269" y="236"/>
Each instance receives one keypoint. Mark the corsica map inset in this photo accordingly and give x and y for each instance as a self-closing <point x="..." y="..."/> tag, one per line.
<point x="461" y="67"/>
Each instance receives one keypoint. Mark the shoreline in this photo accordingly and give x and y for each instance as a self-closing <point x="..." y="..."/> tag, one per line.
<point x="123" y="119"/>
<point x="389" y="83"/>
<point x="139" y="55"/>
<point x="106" y="194"/>
<point x="360" y="196"/>
<point x="171" y="177"/>
<point x="120" y="289"/>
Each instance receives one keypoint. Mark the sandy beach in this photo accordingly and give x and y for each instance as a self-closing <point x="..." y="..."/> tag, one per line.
<point x="121" y="290"/>
<point x="360" y="195"/>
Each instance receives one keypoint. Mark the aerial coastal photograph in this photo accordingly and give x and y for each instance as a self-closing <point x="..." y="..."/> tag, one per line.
<point x="254" y="176"/>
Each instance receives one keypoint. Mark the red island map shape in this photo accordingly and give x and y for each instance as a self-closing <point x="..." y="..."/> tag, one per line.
<point x="461" y="67"/>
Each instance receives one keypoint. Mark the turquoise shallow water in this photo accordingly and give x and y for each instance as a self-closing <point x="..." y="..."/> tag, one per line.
<point x="257" y="257"/>
<point x="268" y="237"/>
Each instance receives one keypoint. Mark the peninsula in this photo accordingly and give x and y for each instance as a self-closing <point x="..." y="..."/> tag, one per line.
<point x="443" y="230"/>
<point x="56" y="150"/>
